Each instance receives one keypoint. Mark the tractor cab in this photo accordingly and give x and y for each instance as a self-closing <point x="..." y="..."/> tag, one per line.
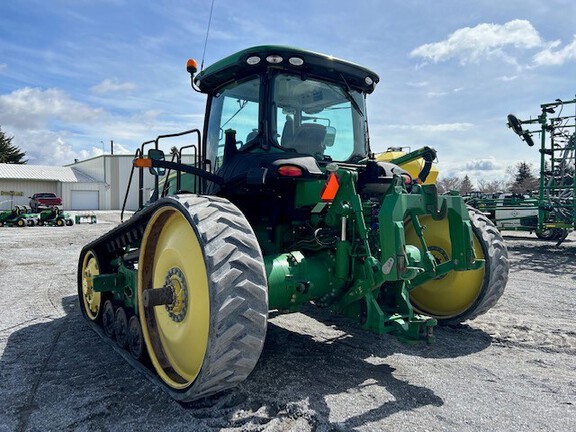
<point x="271" y="103"/>
<point x="286" y="101"/>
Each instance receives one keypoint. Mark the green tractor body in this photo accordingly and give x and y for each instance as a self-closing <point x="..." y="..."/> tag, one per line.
<point x="284" y="204"/>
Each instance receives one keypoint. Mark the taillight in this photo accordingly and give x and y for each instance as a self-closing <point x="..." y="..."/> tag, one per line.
<point x="290" y="171"/>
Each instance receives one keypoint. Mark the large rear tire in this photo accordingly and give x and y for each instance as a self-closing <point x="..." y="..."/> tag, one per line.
<point x="463" y="295"/>
<point x="208" y="337"/>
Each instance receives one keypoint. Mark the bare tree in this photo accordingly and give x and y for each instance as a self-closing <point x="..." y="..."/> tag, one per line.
<point x="492" y="186"/>
<point x="448" y="184"/>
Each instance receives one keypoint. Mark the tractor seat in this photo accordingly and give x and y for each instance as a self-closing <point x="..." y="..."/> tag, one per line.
<point x="309" y="138"/>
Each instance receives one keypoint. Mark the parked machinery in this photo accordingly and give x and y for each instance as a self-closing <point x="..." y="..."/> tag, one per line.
<point x="557" y="128"/>
<point x="54" y="216"/>
<point x="283" y="205"/>
<point x="19" y="216"/>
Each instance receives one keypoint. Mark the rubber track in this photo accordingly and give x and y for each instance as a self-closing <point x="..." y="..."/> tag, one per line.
<point x="238" y="295"/>
<point x="237" y="285"/>
<point x="496" y="267"/>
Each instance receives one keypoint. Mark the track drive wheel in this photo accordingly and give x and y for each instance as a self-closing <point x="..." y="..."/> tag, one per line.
<point x="108" y="318"/>
<point x="462" y="295"/>
<point x="90" y="300"/>
<point x="208" y="333"/>
<point x="121" y="327"/>
<point x="135" y="338"/>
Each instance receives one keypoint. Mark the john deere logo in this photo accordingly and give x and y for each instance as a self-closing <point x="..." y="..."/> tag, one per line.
<point x="11" y="193"/>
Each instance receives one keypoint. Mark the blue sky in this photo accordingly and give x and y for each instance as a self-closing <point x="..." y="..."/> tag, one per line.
<point x="75" y="74"/>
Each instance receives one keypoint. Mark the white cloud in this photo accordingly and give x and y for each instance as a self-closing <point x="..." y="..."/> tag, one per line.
<point x="470" y="44"/>
<point x="507" y="78"/>
<point x="113" y="86"/>
<point x="441" y="127"/>
<point x="437" y="93"/>
<point x="31" y="107"/>
<point x="53" y="129"/>
<point x="549" y="57"/>
<point x="483" y="165"/>
<point x="418" y="84"/>
<point x="3" y="66"/>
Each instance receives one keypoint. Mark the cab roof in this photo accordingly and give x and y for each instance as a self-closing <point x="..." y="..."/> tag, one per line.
<point x="320" y="66"/>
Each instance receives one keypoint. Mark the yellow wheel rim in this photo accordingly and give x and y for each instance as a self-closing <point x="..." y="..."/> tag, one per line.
<point x="176" y="335"/>
<point x="92" y="300"/>
<point x="454" y="293"/>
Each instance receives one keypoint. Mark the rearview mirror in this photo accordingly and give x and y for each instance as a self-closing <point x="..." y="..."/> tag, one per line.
<point x="156" y="154"/>
<point x="330" y="136"/>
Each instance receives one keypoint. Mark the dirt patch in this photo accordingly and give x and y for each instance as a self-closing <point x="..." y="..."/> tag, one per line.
<point x="511" y="369"/>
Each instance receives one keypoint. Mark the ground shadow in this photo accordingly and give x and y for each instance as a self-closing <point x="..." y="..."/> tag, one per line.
<point x="451" y="341"/>
<point x="63" y="366"/>
<point x="542" y="257"/>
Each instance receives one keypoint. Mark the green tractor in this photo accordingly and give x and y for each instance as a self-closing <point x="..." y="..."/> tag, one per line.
<point x="54" y="216"/>
<point x="283" y="204"/>
<point x="19" y="216"/>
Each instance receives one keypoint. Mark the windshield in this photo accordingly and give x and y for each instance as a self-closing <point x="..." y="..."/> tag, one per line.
<point x="306" y="116"/>
<point x="236" y="107"/>
<point x="319" y="118"/>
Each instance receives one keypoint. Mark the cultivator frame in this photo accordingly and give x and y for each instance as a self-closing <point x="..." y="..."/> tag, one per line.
<point x="557" y="186"/>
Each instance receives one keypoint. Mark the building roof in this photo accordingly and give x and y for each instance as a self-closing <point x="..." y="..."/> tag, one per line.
<point x="44" y="173"/>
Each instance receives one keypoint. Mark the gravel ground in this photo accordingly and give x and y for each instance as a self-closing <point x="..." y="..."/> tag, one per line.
<point x="511" y="369"/>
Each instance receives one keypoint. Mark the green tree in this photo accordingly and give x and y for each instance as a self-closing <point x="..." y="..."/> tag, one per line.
<point x="9" y="153"/>
<point x="524" y="180"/>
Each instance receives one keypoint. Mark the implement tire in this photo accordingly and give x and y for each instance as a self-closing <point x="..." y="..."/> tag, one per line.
<point x="461" y="296"/>
<point x="207" y="335"/>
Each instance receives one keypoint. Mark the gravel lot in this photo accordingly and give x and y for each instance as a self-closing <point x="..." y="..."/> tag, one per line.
<point x="511" y="369"/>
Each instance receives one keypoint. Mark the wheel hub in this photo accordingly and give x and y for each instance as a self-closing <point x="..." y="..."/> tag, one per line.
<point x="440" y="256"/>
<point x="89" y="291"/>
<point x="177" y="282"/>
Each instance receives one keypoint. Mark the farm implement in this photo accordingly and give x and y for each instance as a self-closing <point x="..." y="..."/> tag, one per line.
<point x="549" y="212"/>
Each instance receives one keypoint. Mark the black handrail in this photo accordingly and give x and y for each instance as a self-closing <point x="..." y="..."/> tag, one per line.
<point x="138" y="153"/>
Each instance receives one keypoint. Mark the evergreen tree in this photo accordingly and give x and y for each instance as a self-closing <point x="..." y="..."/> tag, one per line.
<point x="466" y="186"/>
<point x="9" y="153"/>
<point x="524" y="180"/>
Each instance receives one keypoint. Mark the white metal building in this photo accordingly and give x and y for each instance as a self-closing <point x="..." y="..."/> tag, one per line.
<point x="113" y="171"/>
<point x="98" y="183"/>
<point x="19" y="182"/>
